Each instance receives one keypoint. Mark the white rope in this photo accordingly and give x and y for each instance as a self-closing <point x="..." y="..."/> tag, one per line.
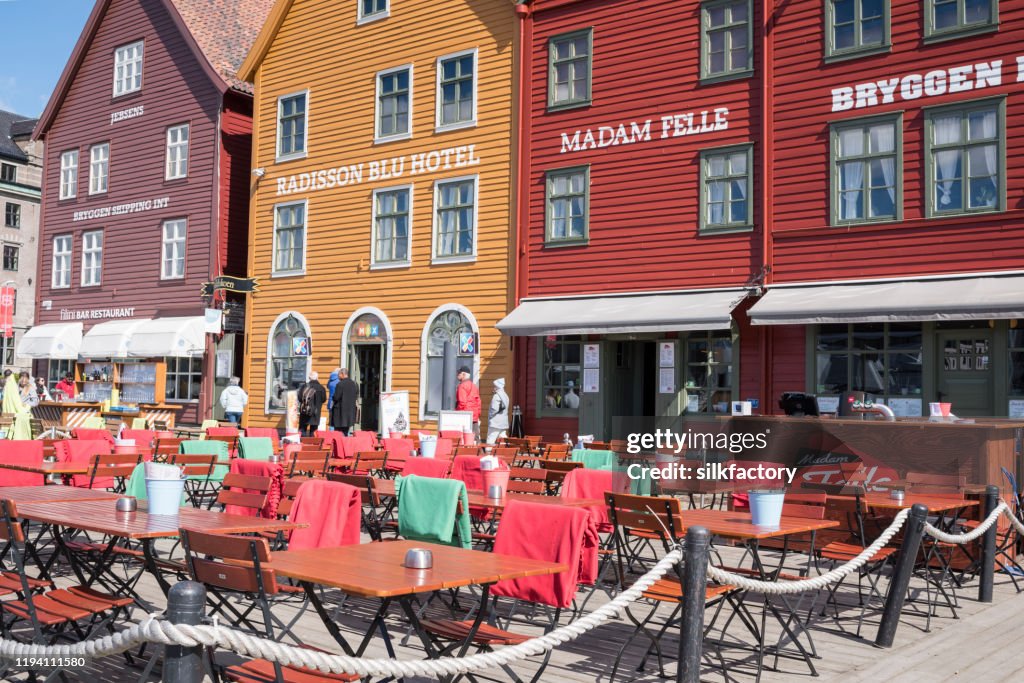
<point x="972" y="535"/>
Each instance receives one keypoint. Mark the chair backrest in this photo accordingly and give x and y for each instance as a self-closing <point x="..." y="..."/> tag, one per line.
<point x="144" y="438"/>
<point x="936" y="484"/>
<point x="87" y="434"/>
<point x="466" y="468"/>
<point x="81" y="452"/>
<point x="218" y="449"/>
<point x="506" y="454"/>
<point x="113" y="465"/>
<point x="165" y="446"/>
<point x="266" y="432"/>
<point x="289" y="490"/>
<point x="244" y="490"/>
<point x="433" y="510"/>
<point x="307" y="462"/>
<point x="371" y="462"/>
<point x="195" y="464"/>
<point x="361" y="481"/>
<point x="651" y="514"/>
<point x="222" y="431"/>
<point x="316" y="442"/>
<point x="528" y="480"/>
<point x="427" y="467"/>
<point x="557" y="451"/>
<point x="331" y="513"/>
<point x="230" y="563"/>
<point x="468" y="450"/>
<point x="21" y="452"/>
<point x="231" y="441"/>
<point x="255" y="447"/>
<point x="10" y="529"/>
<point x="597" y="445"/>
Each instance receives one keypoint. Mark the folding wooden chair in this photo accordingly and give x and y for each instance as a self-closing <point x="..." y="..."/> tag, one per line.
<point x="371" y="500"/>
<point x="372" y="463"/>
<point x="199" y="469"/>
<point x="528" y="480"/>
<point x="115" y="465"/>
<point x="311" y="463"/>
<point x="244" y="490"/>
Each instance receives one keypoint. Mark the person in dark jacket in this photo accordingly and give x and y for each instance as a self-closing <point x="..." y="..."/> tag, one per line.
<point x="312" y="397"/>
<point x="346" y="394"/>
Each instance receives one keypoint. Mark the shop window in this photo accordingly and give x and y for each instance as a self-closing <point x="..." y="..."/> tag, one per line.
<point x="99" y="168"/>
<point x="725" y="177"/>
<point x="11" y="253"/>
<point x="952" y="18"/>
<point x="61" y="276"/>
<point x="391" y="217"/>
<point x="882" y="359"/>
<point x="456" y="90"/>
<point x="856" y="27"/>
<point x="964" y="158"/>
<point x="394" y="104"/>
<point x="709" y="371"/>
<point x="560" y="372"/>
<point x="867" y="182"/>
<point x="177" y="152"/>
<point x="447" y="326"/>
<point x="726" y="39"/>
<point x="455" y="219"/>
<point x="292" y="122"/>
<point x="56" y="370"/>
<point x="69" y="174"/>
<point x="568" y="205"/>
<point x="184" y="379"/>
<point x="369" y="10"/>
<point x="289" y="238"/>
<point x="8" y="173"/>
<point x="570" y="64"/>
<point x="12" y="215"/>
<point x="290" y="348"/>
<point x="128" y="69"/>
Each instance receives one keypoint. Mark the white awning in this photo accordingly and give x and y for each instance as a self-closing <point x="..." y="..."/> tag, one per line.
<point x="109" y="340"/>
<point x="60" y="341"/>
<point x="661" y="312"/>
<point x="964" y="298"/>
<point x="179" y="337"/>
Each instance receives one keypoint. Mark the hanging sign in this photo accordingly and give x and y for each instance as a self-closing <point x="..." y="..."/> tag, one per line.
<point x="243" y="285"/>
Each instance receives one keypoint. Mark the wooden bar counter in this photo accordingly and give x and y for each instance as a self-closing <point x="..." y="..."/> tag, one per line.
<point x="72" y="414"/>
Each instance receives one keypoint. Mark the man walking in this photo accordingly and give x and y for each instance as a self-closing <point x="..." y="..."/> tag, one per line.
<point x="467" y="397"/>
<point x="233" y="400"/>
<point x="346" y="395"/>
<point x="312" y="397"/>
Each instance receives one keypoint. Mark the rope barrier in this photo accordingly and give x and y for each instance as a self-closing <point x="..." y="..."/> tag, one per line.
<point x="974" y="534"/>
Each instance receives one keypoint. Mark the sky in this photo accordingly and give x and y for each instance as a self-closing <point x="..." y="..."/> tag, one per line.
<point x="36" y="39"/>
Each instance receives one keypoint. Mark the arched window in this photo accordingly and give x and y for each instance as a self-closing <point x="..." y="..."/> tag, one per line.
<point x="290" y="349"/>
<point x="450" y="324"/>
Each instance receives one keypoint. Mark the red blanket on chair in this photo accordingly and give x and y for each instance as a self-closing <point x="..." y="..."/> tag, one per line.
<point x="21" y="452"/>
<point x="467" y="468"/>
<point x="399" y="450"/>
<point x="584" y="483"/>
<point x="333" y="512"/>
<point x="82" y="451"/>
<point x="426" y="467"/>
<point x="83" y="434"/>
<point x="259" y="468"/>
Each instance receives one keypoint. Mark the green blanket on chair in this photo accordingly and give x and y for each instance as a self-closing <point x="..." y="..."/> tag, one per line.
<point x="428" y="510"/>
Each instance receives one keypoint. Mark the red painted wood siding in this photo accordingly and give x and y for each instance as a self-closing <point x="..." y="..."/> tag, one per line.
<point x="643" y="197"/>
<point x="235" y="170"/>
<point x="805" y="246"/>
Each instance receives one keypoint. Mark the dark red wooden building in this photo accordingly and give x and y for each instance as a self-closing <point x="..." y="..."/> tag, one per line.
<point x="145" y="198"/>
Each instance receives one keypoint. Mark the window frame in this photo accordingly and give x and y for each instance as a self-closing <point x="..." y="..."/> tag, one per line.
<point x="832" y="54"/>
<point x="164" y="243"/>
<point x="377" y="137"/>
<point x="999" y="103"/>
<point x="747" y="225"/>
<point x="71" y="183"/>
<point x="362" y="18"/>
<point x="575" y="241"/>
<point x="542" y="410"/>
<point x="558" y="105"/>
<point x="456" y="258"/>
<point x="70" y="254"/>
<point x="16" y="251"/>
<point x="168" y="163"/>
<point x="269" y="377"/>
<point x="141" y="61"/>
<point x="14" y="172"/>
<point x="274" y="272"/>
<point x="14" y="224"/>
<point x="174" y="371"/>
<point x="931" y="35"/>
<point x="424" y="381"/>
<point x="727" y="75"/>
<point x="384" y="265"/>
<point x="835" y="127"/>
<point x="85" y="251"/>
<point x="439" y="126"/>
<point x="278" y="156"/>
<point x="106" y="162"/>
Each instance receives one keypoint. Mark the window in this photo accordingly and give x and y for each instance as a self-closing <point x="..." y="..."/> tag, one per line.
<point x="456" y="90"/>
<point x="7" y="346"/>
<point x="128" y="69"/>
<point x="289" y="238"/>
<point x="292" y="120"/>
<point x="10" y="257"/>
<point x="866" y="170"/>
<point x="99" y="167"/>
<point x="569" y="58"/>
<point x="61" y="277"/>
<point x="394" y="104"/>
<point x="290" y="350"/>
<point x="883" y="359"/>
<point x="370" y="10"/>
<point x="956" y="17"/>
<point x="69" y="174"/>
<point x="568" y="199"/>
<point x="1015" y="347"/>
<point x="56" y="370"/>
<point x="177" y="152"/>
<point x="726" y="37"/>
<point x="455" y="218"/>
<point x="560" y="374"/>
<point x="856" y="26"/>
<point x="172" y="264"/>
<point x="725" y="188"/>
<point x="12" y="215"/>
<point x="184" y="379"/>
<point x="964" y="159"/>
<point x="92" y="257"/>
<point x="710" y="371"/>
<point x="391" y="212"/>
<point x="447" y="326"/>
<point x="8" y="173"/>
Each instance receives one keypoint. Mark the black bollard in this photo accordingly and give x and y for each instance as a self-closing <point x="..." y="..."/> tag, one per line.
<point x="186" y="604"/>
<point x="988" y="546"/>
<point x="691" y="627"/>
<point x="912" y="532"/>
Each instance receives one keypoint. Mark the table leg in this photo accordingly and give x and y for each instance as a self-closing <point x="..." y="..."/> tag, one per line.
<point x="329" y="624"/>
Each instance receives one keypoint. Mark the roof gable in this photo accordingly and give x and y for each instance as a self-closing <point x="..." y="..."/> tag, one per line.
<point x="11" y="125"/>
<point x="247" y="71"/>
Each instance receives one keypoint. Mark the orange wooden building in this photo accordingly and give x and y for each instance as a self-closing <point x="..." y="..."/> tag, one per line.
<point x="382" y="198"/>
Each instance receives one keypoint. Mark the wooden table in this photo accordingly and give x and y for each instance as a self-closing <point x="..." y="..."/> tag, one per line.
<point x="386" y="488"/>
<point x="969" y="489"/>
<point x="883" y="501"/>
<point x="740" y="526"/>
<point x="374" y="570"/>
<point x="64" y="469"/>
<point x="22" y="495"/>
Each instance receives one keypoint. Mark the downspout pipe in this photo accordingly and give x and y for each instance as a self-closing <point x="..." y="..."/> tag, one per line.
<point x="767" y="184"/>
<point x="521" y="256"/>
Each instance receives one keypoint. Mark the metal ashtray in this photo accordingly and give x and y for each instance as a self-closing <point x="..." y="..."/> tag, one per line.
<point x="127" y="505"/>
<point x="495" y="492"/>
<point x="275" y="459"/>
<point x="897" y="494"/>
<point x="418" y="558"/>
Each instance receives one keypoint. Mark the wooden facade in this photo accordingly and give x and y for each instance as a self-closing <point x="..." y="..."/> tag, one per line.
<point x="332" y="55"/>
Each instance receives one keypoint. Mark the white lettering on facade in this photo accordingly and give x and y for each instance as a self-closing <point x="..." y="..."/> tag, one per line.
<point x="125" y="114"/>
<point x="672" y="125"/>
<point x="121" y="209"/>
<point x="96" y="313"/>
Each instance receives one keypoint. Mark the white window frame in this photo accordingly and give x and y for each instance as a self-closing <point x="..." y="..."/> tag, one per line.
<point x="438" y="126"/>
<point x="377" y="137"/>
<point x="64" y="282"/>
<point x="274" y="272"/>
<point x="384" y="265"/>
<point x="173" y="366"/>
<point x="269" y="376"/>
<point x="141" y="44"/>
<point x="87" y="251"/>
<point x="68" y="174"/>
<point x="443" y="308"/>
<point x="172" y="244"/>
<point x="461" y="258"/>
<point x="174" y="162"/>
<point x="367" y="18"/>
<point x="305" y="128"/>
<point x="94" y="164"/>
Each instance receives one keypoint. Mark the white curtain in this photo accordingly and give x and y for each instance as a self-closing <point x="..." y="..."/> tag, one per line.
<point x="716" y="204"/>
<point x="946" y="130"/>
<point x="883" y="141"/>
<point x="988" y="131"/>
<point x="851" y="174"/>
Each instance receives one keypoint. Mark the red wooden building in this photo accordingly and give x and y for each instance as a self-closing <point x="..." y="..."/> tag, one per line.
<point x="145" y="198"/>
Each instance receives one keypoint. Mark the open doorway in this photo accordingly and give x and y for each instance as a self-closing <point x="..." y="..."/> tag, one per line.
<point x="633" y="389"/>
<point x="366" y="367"/>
